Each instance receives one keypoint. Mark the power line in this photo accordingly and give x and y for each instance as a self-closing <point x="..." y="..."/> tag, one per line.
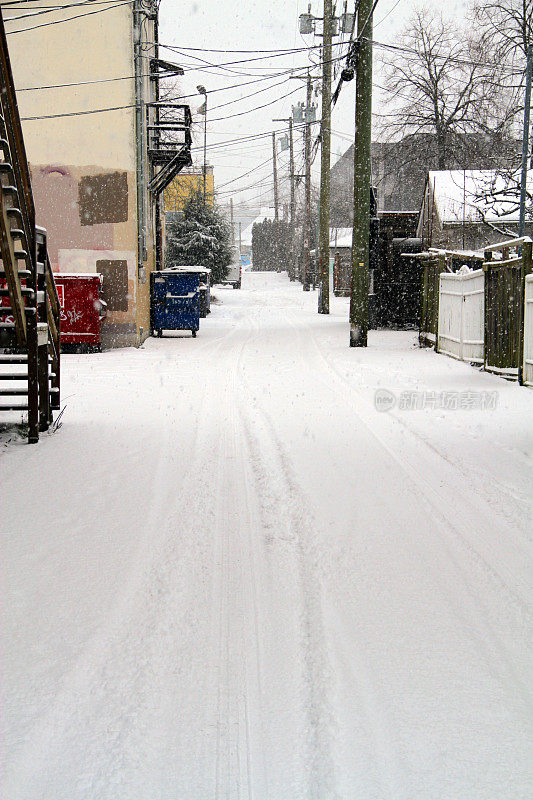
<point x="147" y="75"/>
<point x="256" y="108"/>
<point x="249" y="138"/>
<point x="84" y="83"/>
<point x="281" y="53"/>
<point x="51" y="9"/>
<point x="370" y="13"/>
<point x="277" y="50"/>
<point x="267" y="178"/>
<point x="26" y="4"/>
<point x="69" y="19"/>
<point x="447" y="58"/>
<point x="79" y="113"/>
<point x="389" y="12"/>
<point x="245" y="174"/>
<point x="252" y="94"/>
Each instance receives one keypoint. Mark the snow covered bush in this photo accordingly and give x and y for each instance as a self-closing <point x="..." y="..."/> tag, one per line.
<point x="201" y="237"/>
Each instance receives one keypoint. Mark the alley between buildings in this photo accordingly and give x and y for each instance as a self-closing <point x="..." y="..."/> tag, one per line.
<point x="236" y="577"/>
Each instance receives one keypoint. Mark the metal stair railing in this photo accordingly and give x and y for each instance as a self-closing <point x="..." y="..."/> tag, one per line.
<point x="35" y="306"/>
<point x="53" y="315"/>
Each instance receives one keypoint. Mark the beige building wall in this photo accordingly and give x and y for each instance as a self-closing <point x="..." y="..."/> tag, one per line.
<point x="83" y="164"/>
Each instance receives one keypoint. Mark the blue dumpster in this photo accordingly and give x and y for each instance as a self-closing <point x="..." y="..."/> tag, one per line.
<point x="204" y="274"/>
<point x="175" y="301"/>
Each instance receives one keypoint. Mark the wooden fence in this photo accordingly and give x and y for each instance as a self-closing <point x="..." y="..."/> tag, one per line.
<point x="504" y="305"/>
<point x="432" y="266"/>
<point x="527" y="356"/>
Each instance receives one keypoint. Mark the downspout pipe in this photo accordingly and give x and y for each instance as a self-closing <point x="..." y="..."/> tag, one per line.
<point x="140" y="137"/>
<point x="159" y="199"/>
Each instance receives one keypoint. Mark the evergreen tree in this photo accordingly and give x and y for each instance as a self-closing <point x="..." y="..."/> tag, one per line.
<point x="271" y="245"/>
<point x="200" y="237"/>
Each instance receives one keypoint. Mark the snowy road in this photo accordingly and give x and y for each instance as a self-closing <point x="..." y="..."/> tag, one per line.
<point x="237" y="579"/>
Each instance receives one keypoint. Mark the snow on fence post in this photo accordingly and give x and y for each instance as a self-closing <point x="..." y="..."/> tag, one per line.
<point x="527" y="361"/>
<point x="525" y="372"/>
<point x="450" y="315"/>
<point x="504" y="306"/>
<point x="473" y="316"/>
<point x="461" y="315"/>
<point x="433" y="263"/>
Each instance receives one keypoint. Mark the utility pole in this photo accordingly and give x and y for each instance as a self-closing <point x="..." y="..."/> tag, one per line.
<point x="309" y="112"/>
<point x="275" y="166"/>
<point x="202" y="90"/>
<point x="292" y="271"/>
<point x="231" y="221"/>
<point x="307" y="223"/>
<point x="525" y="142"/>
<point x="325" y="141"/>
<point x="292" y="218"/>
<point x="362" y="179"/>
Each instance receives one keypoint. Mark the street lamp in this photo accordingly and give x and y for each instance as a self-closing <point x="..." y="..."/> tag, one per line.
<point x="202" y="90"/>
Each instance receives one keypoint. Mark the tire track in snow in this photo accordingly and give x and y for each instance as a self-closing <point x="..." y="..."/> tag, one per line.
<point x="444" y="513"/>
<point x="106" y="687"/>
<point x="235" y="767"/>
<point x="281" y="492"/>
<point x="465" y="599"/>
<point x="442" y="508"/>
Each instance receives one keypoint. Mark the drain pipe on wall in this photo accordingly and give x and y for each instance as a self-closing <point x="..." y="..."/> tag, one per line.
<point x="140" y="140"/>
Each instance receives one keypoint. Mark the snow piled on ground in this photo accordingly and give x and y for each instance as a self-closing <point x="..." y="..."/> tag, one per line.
<point x="235" y="577"/>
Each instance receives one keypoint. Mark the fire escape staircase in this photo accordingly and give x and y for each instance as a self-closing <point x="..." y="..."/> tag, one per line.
<point x="169" y="132"/>
<point x="29" y="304"/>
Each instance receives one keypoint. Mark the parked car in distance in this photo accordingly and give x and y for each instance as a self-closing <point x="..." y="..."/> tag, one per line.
<point x="233" y="277"/>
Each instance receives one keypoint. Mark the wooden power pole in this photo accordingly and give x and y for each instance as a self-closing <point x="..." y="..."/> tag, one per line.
<point x="275" y="167"/>
<point x="307" y="222"/>
<point x="292" y="218"/>
<point x="292" y="266"/>
<point x="231" y="221"/>
<point x="362" y="179"/>
<point x="325" y="142"/>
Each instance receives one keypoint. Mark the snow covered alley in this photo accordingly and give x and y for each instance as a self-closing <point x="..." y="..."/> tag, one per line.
<point x="238" y="578"/>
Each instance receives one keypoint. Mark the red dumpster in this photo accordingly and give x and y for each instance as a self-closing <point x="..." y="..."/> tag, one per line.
<point x="82" y="309"/>
<point x="5" y="301"/>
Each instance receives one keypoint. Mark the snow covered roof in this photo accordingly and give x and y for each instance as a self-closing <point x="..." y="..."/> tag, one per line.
<point x="246" y="235"/>
<point x="482" y="193"/>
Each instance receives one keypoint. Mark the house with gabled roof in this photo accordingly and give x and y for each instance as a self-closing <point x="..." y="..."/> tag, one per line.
<point x="469" y="209"/>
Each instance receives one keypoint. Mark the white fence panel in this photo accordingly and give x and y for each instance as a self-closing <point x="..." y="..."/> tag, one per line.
<point x="528" y="333"/>
<point x="461" y="315"/>
<point x="450" y="314"/>
<point x="473" y="316"/>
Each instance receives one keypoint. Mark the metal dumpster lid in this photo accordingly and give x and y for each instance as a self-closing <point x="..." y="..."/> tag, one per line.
<point x="83" y="275"/>
<point x="187" y="268"/>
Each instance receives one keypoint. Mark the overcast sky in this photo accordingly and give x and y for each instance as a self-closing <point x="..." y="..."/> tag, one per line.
<point x="259" y="25"/>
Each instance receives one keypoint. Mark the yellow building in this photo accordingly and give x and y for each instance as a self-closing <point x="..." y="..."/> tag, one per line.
<point x="87" y="80"/>
<point x="186" y="184"/>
